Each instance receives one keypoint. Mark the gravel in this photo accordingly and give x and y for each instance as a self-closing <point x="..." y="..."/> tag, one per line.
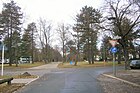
<point x="111" y="85"/>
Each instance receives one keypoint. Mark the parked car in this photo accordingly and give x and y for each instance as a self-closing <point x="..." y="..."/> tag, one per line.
<point x="6" y="61"/>
<point x="134" y="64"/>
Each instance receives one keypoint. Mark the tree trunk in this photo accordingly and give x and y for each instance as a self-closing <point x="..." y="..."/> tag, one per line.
<point x="63" y="53"/>
<point x="89" y="52"/>
<point x="92" y="58"/>
<point x="119" y="57"/>
<point x="126" y="58"/>
<point x="10" y="49"/>
<point x="92" y="55"/>
<point x="124" y="47"/>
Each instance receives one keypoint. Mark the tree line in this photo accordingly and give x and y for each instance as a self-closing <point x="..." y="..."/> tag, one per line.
<point x="79" y="41"/>
<point x="117" y="20"/>
<point x="23" y="42"/>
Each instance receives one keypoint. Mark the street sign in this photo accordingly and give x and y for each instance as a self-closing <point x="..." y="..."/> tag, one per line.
<point x="113" y="42"/>
<point x="71" y="63"/>
<point x="113" y="49"/>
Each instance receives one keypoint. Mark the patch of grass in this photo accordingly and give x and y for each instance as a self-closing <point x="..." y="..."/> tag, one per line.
<point x="18" y="76"/>
<point x="4" y="88"/>
<point x="5" y="76"/>
<point x="27" y="65"/>
<point x="24" y="77"/>
<point x="86" y="64"/>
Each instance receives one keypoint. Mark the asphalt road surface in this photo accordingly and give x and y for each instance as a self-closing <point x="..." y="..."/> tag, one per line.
<point x="81" y="80"/>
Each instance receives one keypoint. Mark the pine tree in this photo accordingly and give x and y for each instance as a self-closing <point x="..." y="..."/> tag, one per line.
<point x="11" y="20"/>
<point x="28" y="43"/>
<point x="87" y="25"/>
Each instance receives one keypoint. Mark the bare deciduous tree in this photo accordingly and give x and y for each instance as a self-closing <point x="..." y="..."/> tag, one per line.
<point x="125" y="19"/>
<point x="63" y="32"/>
<point x="44" y="33"/>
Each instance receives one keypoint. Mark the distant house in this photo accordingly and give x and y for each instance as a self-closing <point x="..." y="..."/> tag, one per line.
<point x="25" y="60"/>
<point x="6" y="61"/>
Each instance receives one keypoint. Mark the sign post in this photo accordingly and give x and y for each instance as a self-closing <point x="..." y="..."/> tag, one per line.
<point x="113" y="50"/>
<point x="2" y="57"/>
<point x="2" y="60"/>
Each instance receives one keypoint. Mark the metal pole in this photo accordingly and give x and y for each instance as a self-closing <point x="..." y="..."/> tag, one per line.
<point x="114" y="65"/>
<point x="2" y="60"/>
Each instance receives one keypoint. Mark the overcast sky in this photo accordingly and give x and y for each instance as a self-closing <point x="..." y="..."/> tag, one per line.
<point x="54" y="10"/>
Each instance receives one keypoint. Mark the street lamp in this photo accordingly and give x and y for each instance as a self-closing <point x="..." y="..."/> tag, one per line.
<point x="2" y="58"/>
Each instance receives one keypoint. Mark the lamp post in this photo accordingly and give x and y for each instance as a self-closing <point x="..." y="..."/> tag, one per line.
<point x="2" y="58"/>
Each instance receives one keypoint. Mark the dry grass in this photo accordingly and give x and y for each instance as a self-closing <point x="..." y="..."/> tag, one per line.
<point x="27" y="65"/>
<point x="24" y="77"/>
<point x="19" y="76"/>
<point x="4" y="88"/>
<point x="86" y="64"/>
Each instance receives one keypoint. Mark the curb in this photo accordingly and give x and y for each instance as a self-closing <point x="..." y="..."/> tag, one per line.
<point x="26" y="85"/>
<point x="32" y="80"/>
<point x="125" y="81"/>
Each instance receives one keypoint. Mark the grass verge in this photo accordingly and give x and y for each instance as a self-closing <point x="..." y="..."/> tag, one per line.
<point x="86" y="64"/>
<point x="27" y="65"/>
<point x="18" y="76"/>
<point x="4" y="88"/>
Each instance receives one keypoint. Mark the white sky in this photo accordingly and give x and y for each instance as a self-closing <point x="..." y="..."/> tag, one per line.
<point x="57" y="11"/>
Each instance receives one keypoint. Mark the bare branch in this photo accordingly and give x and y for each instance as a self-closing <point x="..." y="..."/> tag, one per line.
<point x="134" y="24"/>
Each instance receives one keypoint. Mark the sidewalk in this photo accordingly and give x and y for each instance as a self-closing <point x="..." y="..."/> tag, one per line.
<point x="46" y="66"/>
<point x="25" y="81"/>
<point x="131" y="77"/>
<point x="124" y="82"/>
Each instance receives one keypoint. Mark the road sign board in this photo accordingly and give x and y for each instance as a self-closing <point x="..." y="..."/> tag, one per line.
<point x="113" y="49"/>
<point x="71" y="63"/>
<point x="113" y="42"/>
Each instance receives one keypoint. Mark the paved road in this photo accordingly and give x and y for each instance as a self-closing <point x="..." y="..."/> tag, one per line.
<point x="54" y="80"/>
<point x="82" y="80"/>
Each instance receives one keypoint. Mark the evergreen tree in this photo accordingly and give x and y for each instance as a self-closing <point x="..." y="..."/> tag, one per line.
<point x="87" y="25"/>
<point x="28" y="41"/>
<point x="10" y="22"/>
